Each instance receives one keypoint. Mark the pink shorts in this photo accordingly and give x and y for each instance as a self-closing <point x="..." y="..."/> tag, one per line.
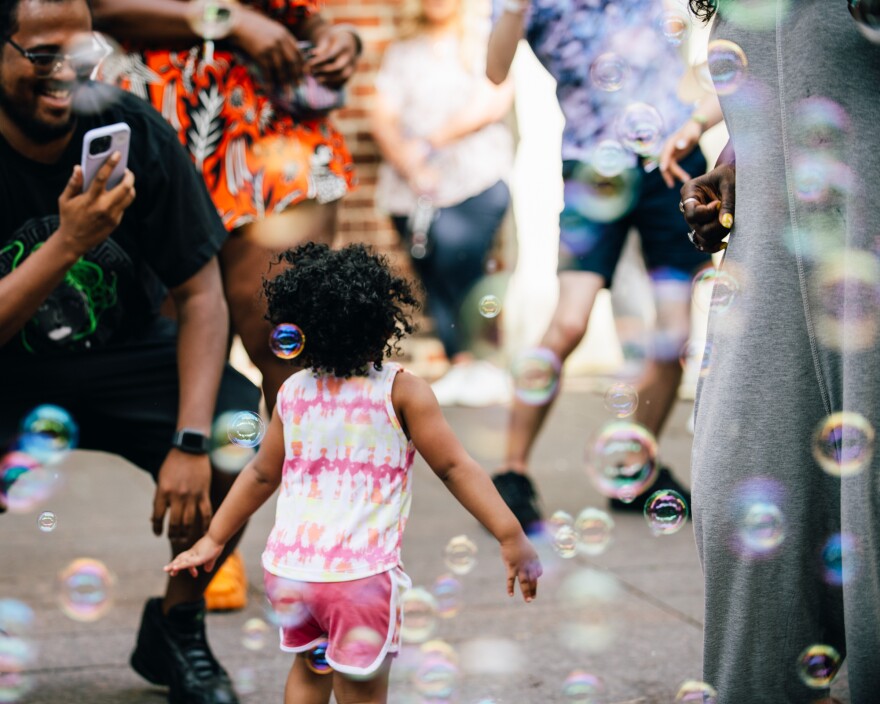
<point x="359" y="619"/>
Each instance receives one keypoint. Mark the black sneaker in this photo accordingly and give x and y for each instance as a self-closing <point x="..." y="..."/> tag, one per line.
<point x="518" y="493"/>
<point x="172" y="651"/>
<point x="664" y="480"/>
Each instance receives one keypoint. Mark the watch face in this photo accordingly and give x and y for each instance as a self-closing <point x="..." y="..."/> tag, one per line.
<point x="191" y="441"/>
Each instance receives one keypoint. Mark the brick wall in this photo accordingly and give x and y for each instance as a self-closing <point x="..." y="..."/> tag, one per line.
<point x="375" y="20"/>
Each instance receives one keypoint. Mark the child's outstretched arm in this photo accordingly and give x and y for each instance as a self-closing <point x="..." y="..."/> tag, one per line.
<point x="253" y="486"/>
<point x="423" y="420"/>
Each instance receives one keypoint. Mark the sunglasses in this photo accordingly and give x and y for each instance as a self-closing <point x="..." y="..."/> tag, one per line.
<point x="83" y="61"/>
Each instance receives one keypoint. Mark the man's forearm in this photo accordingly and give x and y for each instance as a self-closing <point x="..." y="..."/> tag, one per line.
<point x="502" y="45"/>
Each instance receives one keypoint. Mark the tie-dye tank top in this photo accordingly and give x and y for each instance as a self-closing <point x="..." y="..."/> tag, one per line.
<point x="345" y="487"/>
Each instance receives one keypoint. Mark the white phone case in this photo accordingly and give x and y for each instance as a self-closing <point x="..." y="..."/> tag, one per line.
<point x="106" y="140"/>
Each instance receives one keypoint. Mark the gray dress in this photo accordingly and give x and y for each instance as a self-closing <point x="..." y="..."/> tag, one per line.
<point x="793" y="338"/>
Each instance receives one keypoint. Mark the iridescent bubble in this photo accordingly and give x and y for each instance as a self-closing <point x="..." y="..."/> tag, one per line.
<point x="843" y="443"/>
<point x="565" y="542"/>
<point x="609" y="71"/>
<point x="582" y="688"/>
<point x="47" y="521"/>
<point x="287" y="341"/>
<point x="253" y="634"/>
<point x="17" y="657"/>
<point x="867" y="15"/>
<point x="847" y="294"/>
<point x="436" y="678"/>
<point x="696" y="692"/>
<point x="286" y="607"/>
<point x="818" y="124"/>
<point x="675" y="26"/>
<point x="47" y="433"/>
<point x="461" y="554"/>
<point x="593" y="529"/>
<point x="728" y="65"/>
<point x="696" y="353"/>
<point x="666" y="512"/>
<point x="490" y="306"/>
<point x="316" y="659"/>
<point x="590" y="195"/>
<point x="246" y="429"/>
<point x="102" y="59"/>
<point x="818" y="176"/>
<point x="622" y="461"/>
<point x="840" y="559"/>
<point x="225" y="455"/>
<point x="419" y="615"/>
<point x="536" y="376"/>
<point x="26" y="484"/>
<point x="716" y="289"/>
<point x="818" y="665"/>
<point x="447" y="591"/>
<point x="640" y="128"/>
<point x="557" y="520"/>
<point x="609" y="158"/>
<point x="86" y="589"/>
<point x="360" y="644"/>
<point x="212" y="19"/>
<point x="621" y="399"/>
<point x="16" y="618"/>
<point x="763" y="527"/>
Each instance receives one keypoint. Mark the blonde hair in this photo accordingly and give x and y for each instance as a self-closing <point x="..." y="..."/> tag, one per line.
<point x="471" y="22"/>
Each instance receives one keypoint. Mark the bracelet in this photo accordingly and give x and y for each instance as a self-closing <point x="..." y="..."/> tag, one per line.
<point x="352" y="30"/>
<point x="516" y="7"/>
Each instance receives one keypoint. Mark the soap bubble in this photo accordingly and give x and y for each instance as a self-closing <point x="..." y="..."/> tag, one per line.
<point x="490" y="306"/>
<point x="763" y="527"/>
<point x="316" y="659"/>
<point x="609" y="72"/>
<point x="843" y="443"/>
<point x="818" y="665"/>
<point x="609" y="158"/>
<point x="582" y="688"/>
<point x="437" y="676"/>
<point x="696" y="692"/>
<point x="360" y="644"/>
<point x="593" y="529"/>
<point x="557" y="520"/>
<point x="17" y="657"/>
<point x="675" y="26"/>
<point x="621" y="399"/>
<point x="640" y="128"/>
<point x="728" y="65"/>
<point x="461" y="554"/>
<point x="86" y="589"/>
<point x="565" y="542"/>
<point x="590" y="196"/>
<point x="47" y="433"/>
<point x="622" y="461"/>
<point x="47" y="521"/>
<point x="246" y="429"/>
<point x="212" y="19"/>
<point x="536" y="376"/>
<point x="840" y="559"/>
<point x="287" y="341"/>
<point x="253" y="634"/>
<point x="226" y="455"/>
<point x="25" y="484"/>
<point x="666" y="512"/>
<point x="447" y="592"/>
<point x="16" y="618"/>
<point x="419" y="615"/>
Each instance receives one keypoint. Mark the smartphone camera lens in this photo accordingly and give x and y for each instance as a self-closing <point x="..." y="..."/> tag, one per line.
<point x="100" y="145"/>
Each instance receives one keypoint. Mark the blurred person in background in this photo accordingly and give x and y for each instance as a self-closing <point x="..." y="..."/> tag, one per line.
<point x="438" y="122"/>
<point x="784" y="463"/>
<point x="617" y="66"/>
<point x="252" y="114"/>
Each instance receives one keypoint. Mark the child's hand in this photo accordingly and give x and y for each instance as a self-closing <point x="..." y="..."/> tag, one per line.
<point x="523" y="564"/>
<point x="205" y="552"/>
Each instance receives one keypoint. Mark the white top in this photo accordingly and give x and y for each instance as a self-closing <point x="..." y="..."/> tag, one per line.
<point x="426" y="83"/>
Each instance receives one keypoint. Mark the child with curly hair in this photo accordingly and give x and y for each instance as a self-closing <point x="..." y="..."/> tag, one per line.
<point x="341" y="444"/>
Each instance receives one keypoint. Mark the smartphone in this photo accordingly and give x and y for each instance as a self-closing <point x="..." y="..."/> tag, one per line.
<point x="98" y="145"/>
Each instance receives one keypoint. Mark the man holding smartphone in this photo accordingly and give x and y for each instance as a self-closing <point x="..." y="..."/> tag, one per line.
<point x="83" y="271"/>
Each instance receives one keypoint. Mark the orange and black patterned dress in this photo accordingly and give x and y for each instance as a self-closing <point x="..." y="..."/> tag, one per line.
<point x="256" y="158"/>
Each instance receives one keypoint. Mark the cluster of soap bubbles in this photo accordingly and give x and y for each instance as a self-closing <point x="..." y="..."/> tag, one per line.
<point x="588" y="534"/>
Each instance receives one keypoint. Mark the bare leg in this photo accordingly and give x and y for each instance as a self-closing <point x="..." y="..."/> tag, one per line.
<point x="304" y="686"/>
<point x="658" y="388"/>
<point x="245" y="259"/>
<point x="371" y="691"/>
<point x="183" y="588"/>
<point x="577" y="294"/>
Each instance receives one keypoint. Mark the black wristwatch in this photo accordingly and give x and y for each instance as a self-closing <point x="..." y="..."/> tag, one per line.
<point x="191" y="441"/>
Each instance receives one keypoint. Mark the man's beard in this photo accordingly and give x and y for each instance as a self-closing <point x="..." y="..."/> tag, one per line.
<point x="36" y="131"/>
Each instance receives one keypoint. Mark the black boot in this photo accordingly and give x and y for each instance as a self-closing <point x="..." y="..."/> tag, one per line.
<point x="172" y="650"/>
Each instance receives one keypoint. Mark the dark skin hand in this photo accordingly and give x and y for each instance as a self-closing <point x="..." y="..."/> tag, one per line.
<point x="270" y="44"/>
<point x="333" y="60"/>
<point x="709" y="202"/>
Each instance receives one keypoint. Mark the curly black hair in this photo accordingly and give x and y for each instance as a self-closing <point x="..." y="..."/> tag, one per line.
<point x="703" y="9"/>
<point x="352" y="308"/>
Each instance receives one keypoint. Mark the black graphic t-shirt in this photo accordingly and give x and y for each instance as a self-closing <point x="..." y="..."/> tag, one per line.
<point x="111" y="296"/>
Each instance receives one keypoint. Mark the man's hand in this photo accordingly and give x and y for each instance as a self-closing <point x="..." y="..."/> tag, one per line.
<point x="205" y="552"/>
<point x="522" y="564"/>
<point x="89" y="217"/>
<point x="333" y="60"/>
<point x="183" y="490"/>
<point x="708" y="203"/>
<point x="270" y="45"/>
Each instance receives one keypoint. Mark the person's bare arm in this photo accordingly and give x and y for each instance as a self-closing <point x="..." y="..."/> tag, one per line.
<point x="491" y="104"/>
<point x="465" y="479"/>
<point x="405" y="154"/>
<point x="506" y="33"/>
<point x="85" y="220"/>
<point x="706" y="115"/>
